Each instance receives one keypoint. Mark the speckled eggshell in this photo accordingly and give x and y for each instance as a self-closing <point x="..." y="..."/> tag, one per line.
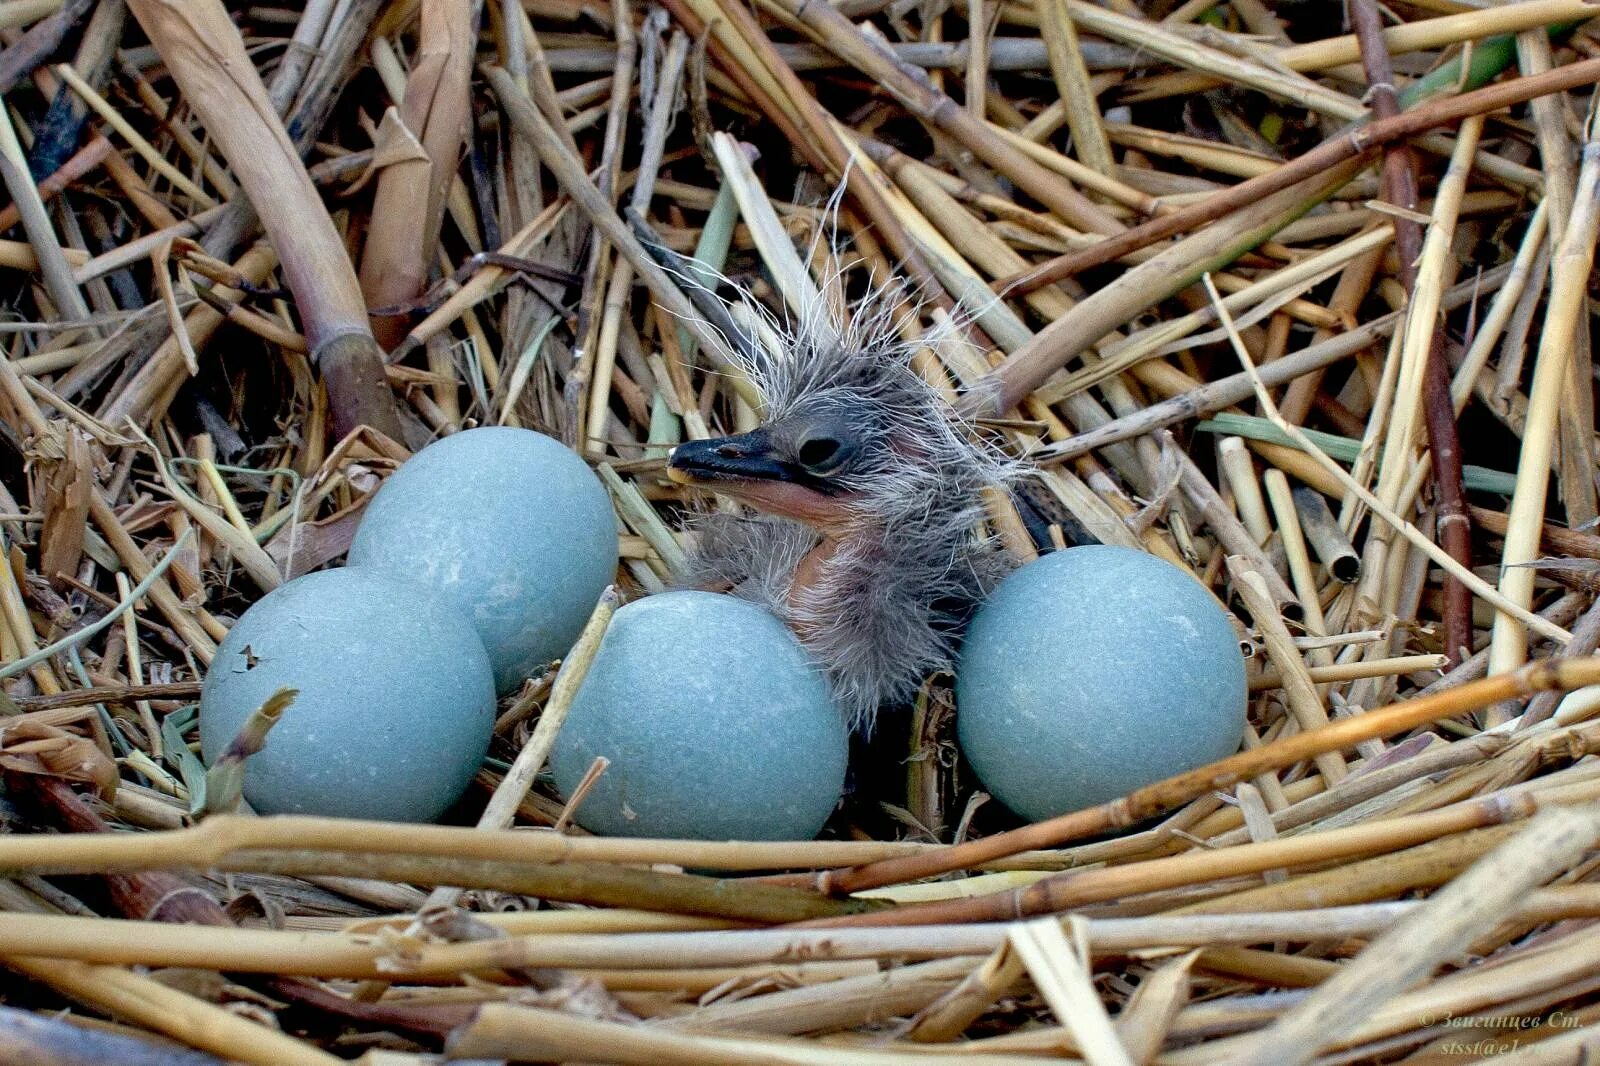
<point x="1094" y="671"/>
<point x="508" y="524"/>
<point x="396" y="700"/>
<point x="716" y="725"/>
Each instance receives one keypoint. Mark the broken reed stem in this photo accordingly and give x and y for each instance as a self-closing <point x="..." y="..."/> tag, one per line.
<point x="94" y="629"/>
<point x="1300" y="692"/>
<point x="1550" y="844"/>
<point x="570" y="173"/>
<point x="1213" y="396"/>
<point x="913" y="89"/>
<point x="432" y="121"/>
<point x="168" y="1010"/>
<point x="1174" y="791"/>
<point x="1569" y="269"/>
<point x="1355" y="143"/>
<point x="1400" y="189"/>
<point x="207" y="58"/>
<point x="1406" y="529"/>
<point x="501" y="810"/>
<point x="1171" y="271"/>
<point x="1063" y="977"/>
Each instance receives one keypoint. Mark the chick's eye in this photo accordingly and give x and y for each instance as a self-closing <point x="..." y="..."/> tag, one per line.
<point x="821" y="454"/>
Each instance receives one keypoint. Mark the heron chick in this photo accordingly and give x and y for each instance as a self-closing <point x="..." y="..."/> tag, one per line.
<point x="870" y="489"/>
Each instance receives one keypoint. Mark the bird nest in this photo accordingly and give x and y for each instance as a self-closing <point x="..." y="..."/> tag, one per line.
<point x="1297" y="304"/>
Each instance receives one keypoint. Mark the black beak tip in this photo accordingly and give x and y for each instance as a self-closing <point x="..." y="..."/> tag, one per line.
<point x="744" y="458"/>
<point x="689" y="455"/>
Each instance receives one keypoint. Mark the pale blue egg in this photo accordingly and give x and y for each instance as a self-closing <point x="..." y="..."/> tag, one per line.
<point x="716" y="724"/>
<point x="508" y="524"/>
<point x="396" y="700"/>
<point x="1092" y="672"/>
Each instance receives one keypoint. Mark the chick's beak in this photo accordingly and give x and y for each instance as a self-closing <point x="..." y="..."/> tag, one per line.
<point x="748" y="468"/>
<point x="747" y="457"/>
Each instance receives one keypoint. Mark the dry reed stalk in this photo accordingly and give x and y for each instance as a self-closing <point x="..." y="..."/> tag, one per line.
<point x="220" y="837"/>
<point x="911" y="87"/>
<point x="501" y="810"/>
<point x="20" y="256"/>
<point x="238" y="542"/>
<point x="1238" y="472"/>
<point x="1166" y="795"/>
<point x="1492" y="328"/>
<point x="483" y="282"/>
<point x="867" y="190"/>
<point x="1068" y="890"/>
<point x="183" y="1017"/>
<point x="120" y="942"/>
<point x="1292" y="540"/>
<point x="1233" y="536"/>
<point x="800" y="293"/>
<point x="659" y="118"/>
<point x="1173" y="270"/>
<point x="1305" y="704"/>
<point x="146" y="150"/>
<point x="569" y="172"/>
<point x="1425" y="260"/>
<point x="1181" y="51"/>
<point x="1292" y="919"/>
<point x="1072" y="79"/>
<point x="1322" y="675"/>
<point x="1570" y="263"/>
<point x="195" y="635"/>
<point x="41" y="235"/>
<point x="136" y="250"/>
<point x="1556" y="153"/>
<point x="597" y="885"/>
<point x="1357" y="144"/>
<point x="1406" y="529"/>
<point x="502" y="1030"/>
<point x="1423" y="35"/>
<point x="1063" y="978"/>
<point x="1550" y="844"/>
<point x="432" y="123"/>
<point x="1259" y="298"/>
<point x="842" y="1004"/>
<point x="207" y="56"/>
<point x="1215" y="395"/>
